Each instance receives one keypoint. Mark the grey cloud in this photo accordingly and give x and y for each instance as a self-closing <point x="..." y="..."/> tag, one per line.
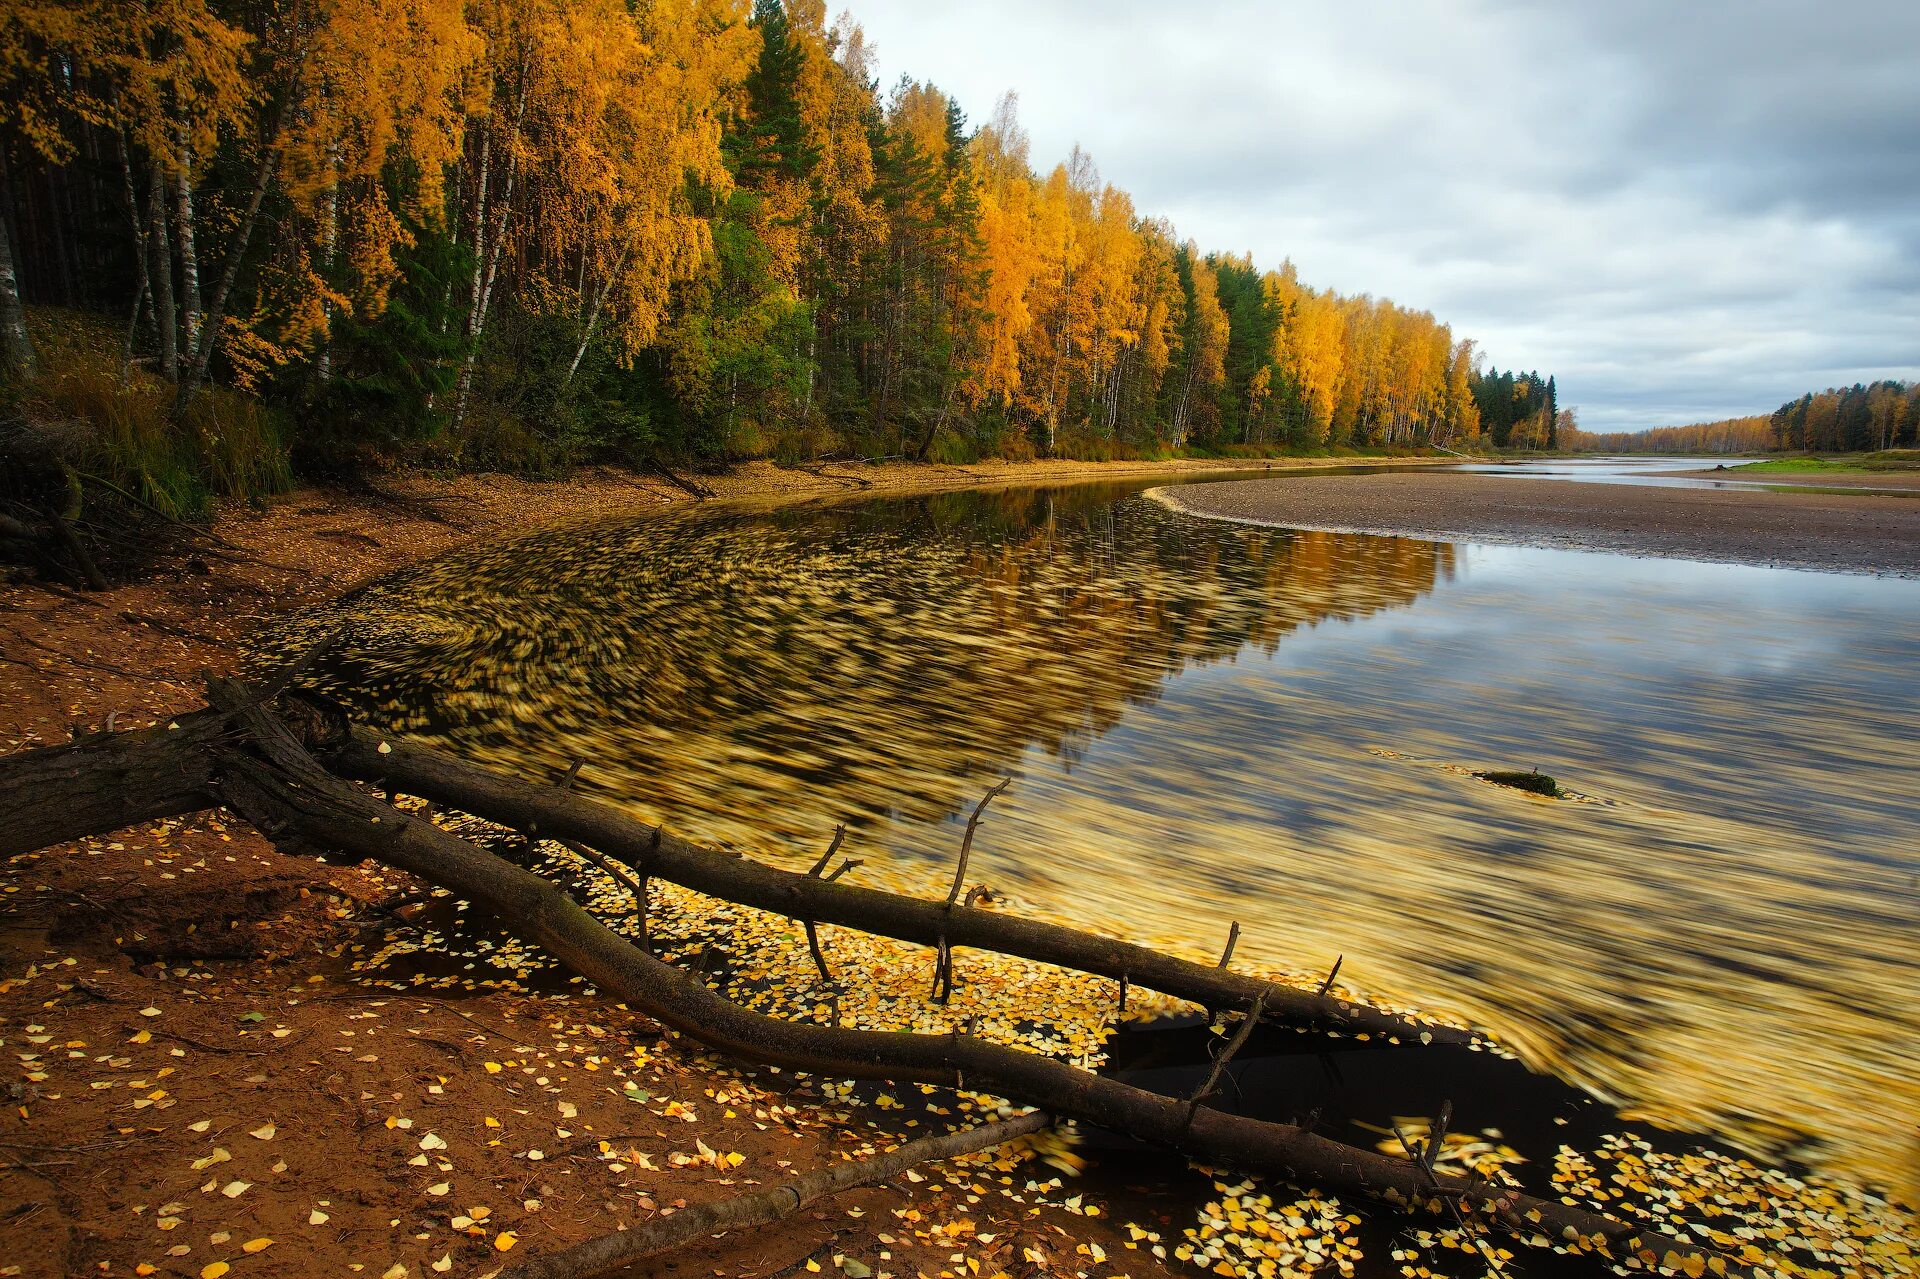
<point x="1683" y="211"/>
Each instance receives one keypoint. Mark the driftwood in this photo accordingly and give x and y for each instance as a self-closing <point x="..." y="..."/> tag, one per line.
<point x="250" y="758"/>
<point x="610" y="1252"/>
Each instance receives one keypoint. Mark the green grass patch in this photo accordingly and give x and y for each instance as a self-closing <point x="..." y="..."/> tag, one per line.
<point x="1534" y="783"/>
<point x="1842" y="464"/>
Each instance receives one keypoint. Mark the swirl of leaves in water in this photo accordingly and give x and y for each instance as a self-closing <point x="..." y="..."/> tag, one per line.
<point x="1214" y="722"/>
<point x="894" y="656"/>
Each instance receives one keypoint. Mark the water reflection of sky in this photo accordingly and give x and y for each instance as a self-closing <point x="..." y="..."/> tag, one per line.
<point x="1213" y="722"/>
<point x="1658" y="472"/>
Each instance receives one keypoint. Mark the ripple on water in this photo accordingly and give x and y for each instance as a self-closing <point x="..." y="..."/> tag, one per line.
<point x="1213" y="722"/>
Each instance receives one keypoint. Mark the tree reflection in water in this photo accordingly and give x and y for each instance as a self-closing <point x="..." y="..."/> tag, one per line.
<point x="1213" y="722"/>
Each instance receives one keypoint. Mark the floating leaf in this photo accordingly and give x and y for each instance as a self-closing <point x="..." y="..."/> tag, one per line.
<point x="234" y="1189"/>
<point x="317" y="1218"/>
<point x="256" y="1245"/>
<point x="214" y="1269"/>
<point x="505" y="1240"/>
<point x="219" y="1156"/>
<point x="264" y="1132"/>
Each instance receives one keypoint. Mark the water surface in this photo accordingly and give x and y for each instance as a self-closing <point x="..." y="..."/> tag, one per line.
<point x="1211" y="722"/>
<point x="1657" y="472"/>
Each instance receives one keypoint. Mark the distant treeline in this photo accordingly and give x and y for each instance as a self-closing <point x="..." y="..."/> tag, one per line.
<point x="1734" y="435"/>
<point x="1864" y="417"/>
<point x="1852" y="419"/>
<point x="532" y="231"/>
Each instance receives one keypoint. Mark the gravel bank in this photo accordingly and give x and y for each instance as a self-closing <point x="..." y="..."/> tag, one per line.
<point x="1833" y="532"/>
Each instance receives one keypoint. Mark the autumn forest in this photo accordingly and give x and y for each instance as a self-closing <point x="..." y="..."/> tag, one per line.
<point x="522" y="234"/>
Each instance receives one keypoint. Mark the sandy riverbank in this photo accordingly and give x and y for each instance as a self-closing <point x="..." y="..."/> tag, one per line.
<point x="1812" y="530"/>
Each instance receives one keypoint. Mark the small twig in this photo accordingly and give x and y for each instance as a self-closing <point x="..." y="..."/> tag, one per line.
<point x="813" y="946"/>
<point x="151" y="509"/>
<point x="71" y="543"/>
<point x="1436" y="1136"/>
<point x="165" y="627"/>
<point x="1233" y="938"/>
<point x="572" y="774"/>
<point x="288" y="1042"/>
<point x="1240" y="1036"/>
<point x="612" y="1252"/>
<point x="103" y="667"/>
<point x="966" y="841"/>
<point x="637" y="885"/>
<point x="446" y="1007"/>
<point x="1327" y="985"/>
<point x="844" y="867"/>
<point x="839" y="834"/>
<point x="279" y="681"/>
<point x="942" y="972"/>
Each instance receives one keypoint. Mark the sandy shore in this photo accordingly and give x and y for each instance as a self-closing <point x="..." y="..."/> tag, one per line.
<point x="1812" y="530"/>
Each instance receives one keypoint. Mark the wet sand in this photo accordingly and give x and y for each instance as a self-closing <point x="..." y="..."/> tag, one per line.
<point x="1833" y="532"/>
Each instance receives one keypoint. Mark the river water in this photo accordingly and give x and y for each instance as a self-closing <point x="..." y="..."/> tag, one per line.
<point x="1209" y="723"/>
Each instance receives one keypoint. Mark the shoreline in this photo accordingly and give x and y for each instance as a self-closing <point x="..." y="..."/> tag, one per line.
<point x="1813" y="531"/>
<point x="216" y="974"/>
<point x="233" y="967"/>
<point x="83" y="656"/>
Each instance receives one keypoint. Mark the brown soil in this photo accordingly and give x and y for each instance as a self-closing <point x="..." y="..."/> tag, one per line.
<point x="168" y="992"/>
<point x="1828" y="531"/>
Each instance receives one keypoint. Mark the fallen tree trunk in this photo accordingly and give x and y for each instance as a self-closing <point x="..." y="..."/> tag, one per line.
<point x="57" y="794"/>
<point x="108" y="781"/>
<point x="558" y="813"/>
<point x="610" y="1252"/>
<point x="249" y="759"/>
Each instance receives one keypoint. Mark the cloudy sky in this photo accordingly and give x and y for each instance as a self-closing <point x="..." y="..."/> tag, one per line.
<point x="1683" y="210"/>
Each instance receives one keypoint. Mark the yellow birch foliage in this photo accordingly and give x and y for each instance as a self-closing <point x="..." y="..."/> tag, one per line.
<point x="377" y="83"/>
<point x="623" y="114"/>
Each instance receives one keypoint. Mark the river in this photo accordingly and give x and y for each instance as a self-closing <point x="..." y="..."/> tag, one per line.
<point x="1208" y="723"/>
